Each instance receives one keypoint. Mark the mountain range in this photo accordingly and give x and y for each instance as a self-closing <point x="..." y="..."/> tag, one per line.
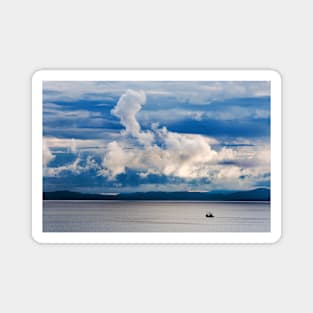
<point x="259" y="194"/>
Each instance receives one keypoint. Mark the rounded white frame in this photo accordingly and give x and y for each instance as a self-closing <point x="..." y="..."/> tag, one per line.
<point x="157" y="237"/>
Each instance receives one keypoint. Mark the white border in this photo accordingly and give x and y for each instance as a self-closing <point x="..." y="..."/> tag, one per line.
<point x="156" y="75"/>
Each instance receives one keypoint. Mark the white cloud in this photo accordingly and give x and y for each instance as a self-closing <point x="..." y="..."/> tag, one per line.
<point x="56" y="171"/>
<point x="115" y="160"/>
<point x="228" y="173"/>
<point x="73" y="145"/>
<point x="75" y="168"/>
<point x="46" y="154"/>
<point x="54" y="111"/>
<point x="170" y="115"/>
<point x="189" y="157"/>
<point x="200" y="92"/>
<point x="237" y="112"/>
<point x="236" y="89"/>
<point x="183" y="155"/>
<point x="126" y="109"/>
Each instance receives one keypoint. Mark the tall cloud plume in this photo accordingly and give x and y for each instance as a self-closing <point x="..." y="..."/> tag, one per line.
<point x="126" y="109"/>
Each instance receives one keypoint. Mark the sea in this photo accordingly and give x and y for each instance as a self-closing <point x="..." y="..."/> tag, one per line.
<point x="155" y="216"/>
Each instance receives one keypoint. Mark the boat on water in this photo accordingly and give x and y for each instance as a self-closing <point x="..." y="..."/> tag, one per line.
<point x="209" y="215"/>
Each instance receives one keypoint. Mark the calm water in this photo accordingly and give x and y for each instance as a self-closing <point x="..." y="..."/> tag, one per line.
<point x="154" y="216"/>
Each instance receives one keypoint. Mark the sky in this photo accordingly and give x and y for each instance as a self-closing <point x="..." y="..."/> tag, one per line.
<point x="114" y="137"/>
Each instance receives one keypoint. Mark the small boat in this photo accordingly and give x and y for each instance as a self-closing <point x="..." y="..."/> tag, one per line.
<point x="210" y="214"/>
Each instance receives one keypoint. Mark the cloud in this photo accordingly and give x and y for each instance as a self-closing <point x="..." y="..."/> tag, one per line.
<point x="115" y="160"/>
<point x="236" y="89"/>
<point x="57" y="112"/>
<point x="72" y="145"/>
<point x="200" y="92"/>
<point x="148" y="150"/>
<point x="184" y="156"/>
<point x="126" y="109"/>
<point x="169" y="116"/>
<point x="46" y="154"/>
<point x="101" y="135"/>
<point x="76" y="168"/>
<point x="174" y="116"/>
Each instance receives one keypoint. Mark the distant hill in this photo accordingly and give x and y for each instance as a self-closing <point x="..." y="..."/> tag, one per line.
<point x="260" y="194"/>
<point x="70" y="195"/>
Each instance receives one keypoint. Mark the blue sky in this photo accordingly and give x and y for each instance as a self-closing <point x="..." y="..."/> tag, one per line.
<point x="140" y="136"/>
